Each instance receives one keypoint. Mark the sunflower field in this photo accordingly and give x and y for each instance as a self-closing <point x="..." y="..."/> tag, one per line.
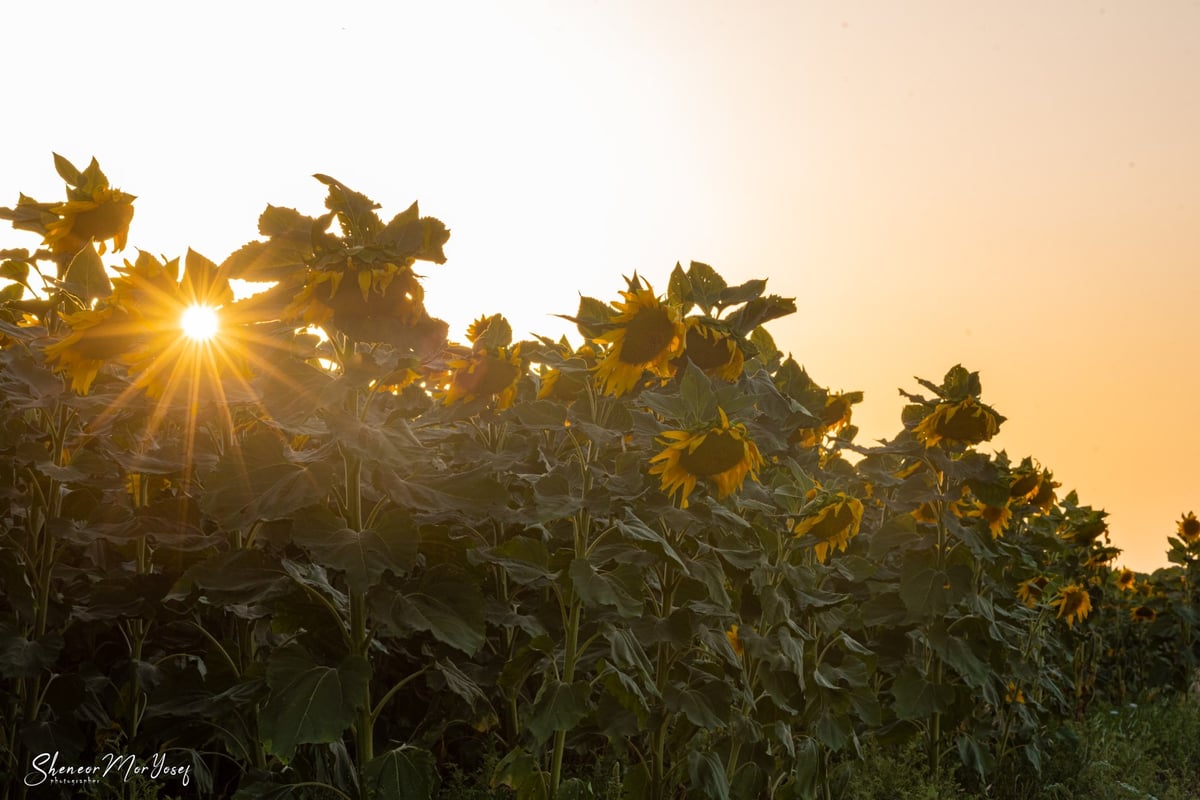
<point x="326" y="548"/>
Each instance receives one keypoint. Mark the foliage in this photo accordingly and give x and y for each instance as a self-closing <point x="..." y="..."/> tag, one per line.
<point x="329" y="552"/>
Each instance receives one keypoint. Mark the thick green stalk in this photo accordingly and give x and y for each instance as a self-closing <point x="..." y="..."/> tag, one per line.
<point x="364" y="729"/>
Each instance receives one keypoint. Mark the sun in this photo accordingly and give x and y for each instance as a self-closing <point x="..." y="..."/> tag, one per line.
<point x="199" y="323"/>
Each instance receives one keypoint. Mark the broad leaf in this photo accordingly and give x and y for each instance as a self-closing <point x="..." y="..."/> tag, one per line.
<point x="310" y="702"/>
<point x="403" y="773"/>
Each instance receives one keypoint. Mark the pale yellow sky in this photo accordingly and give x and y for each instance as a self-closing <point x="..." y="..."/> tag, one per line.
<point x="1014" y="186"/>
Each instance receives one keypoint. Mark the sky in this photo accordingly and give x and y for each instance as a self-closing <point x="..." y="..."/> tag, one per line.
<point x="1013" y="186"/>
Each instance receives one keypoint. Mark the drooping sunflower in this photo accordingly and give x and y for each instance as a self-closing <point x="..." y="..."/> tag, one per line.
<point x="98" y="337"/>
<point x="996" y="517"/>
<point x="925" y="513"/>
<point x="834" y="524"/>
<point x="1014" y="694"/>
<point x="1126" y="579"/>
<point x="1143" y="614"/>
<point x="103" y="216"/>
<point x="1030" y="591"/>
<point x="967" y="422"/>
<point x="1189" y="528"/>
<point x="565" y="382"/>
<point x="735" y="641"/>
<point x="723" y="453"/>
<point x="713" y="350"/>
<point x="647" y="336"/>
<point x="835" y="417"/>
<point x="485" y="373"/>
<point x="1074" y="603"/>
<point x="358" y="297"/>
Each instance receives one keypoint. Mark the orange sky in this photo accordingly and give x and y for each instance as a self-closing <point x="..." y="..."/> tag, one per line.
<point x="1014" y="186"/>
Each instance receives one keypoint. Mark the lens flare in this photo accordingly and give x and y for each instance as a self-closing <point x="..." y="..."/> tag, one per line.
<point x="199" y="323"/>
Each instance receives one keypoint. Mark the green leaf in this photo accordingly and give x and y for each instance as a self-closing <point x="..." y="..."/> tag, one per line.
<point x="68" y="171"/>
<point x="449" y="607"/>
<point x="355" y="211"/>
<point x="559" y="707"/>
<point x="699" y="399"/>
<point x="975" y="756"/>
<point x="696" y="705"/>
<point x="24" y="658"/>
<point x="403" y="773"/>
<point x="472" y="490"/>
<point x="364" y="556"/>
<point x="15" y="271"/>
<point x="310" y="703"/>
<point x="958" y="654"/>
<point x="706" y="284"/>
<point x="706" y="772"/>
<point x="597" y="590"/>
<point x="592" y="317"/>
<point x="833" y="729"/>
<point x="85" y="277"/>
<point x="742" y="293"/>
<point x="679" y="290"/>
<point x="519" y="771"/>
<point x="633" y="528"/>
<point x="917" y="698"/>
<point x="524" y="559"/>
<point x="240" y="576"/>
<point x="759" y="311"/>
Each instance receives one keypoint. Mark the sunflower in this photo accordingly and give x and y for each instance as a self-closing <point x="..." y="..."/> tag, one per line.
<point x="735" y="641"/>
<point x="97" y="337"/>
<point x="926" y="513"/>
<point x="1126" y="579"/>
<point x="104" y="215"/>
<point x="357" y="298"/>
<point x="1074" y="603"/>
<point x="647" y="335"/>
<point x="567" y="381"/>
<point x="723" y="453"/>
<point x="152" y="291"/>
<point x="1143" y="614"/>
<point x="966" y="422"/>
<point x="834" y="416"/>
<point x="996" y="517"/>
<point x="485" y="373"/>
<point x="1030" y="591"/>
<point x="713" y="350"/>
<point x="834" y="524"/>
<point x="1189" y="528"/>
<point x="1014" y="694"/>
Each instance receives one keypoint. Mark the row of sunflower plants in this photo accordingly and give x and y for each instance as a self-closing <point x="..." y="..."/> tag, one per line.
<point x="327" y="551"/>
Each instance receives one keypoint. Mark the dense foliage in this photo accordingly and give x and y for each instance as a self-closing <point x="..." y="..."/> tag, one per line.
<point x="329" y="552"/>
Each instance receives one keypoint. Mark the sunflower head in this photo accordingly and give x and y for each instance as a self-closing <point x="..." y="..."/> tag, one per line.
<point x="97" y="337"/>
<point x="363" y="300"/>
<point x="966" y="422"/>
<point x="104" y="216"/>
<point x="996" y="517"/>
<point x="713" y="350"/>
<point x="1030" y="591"/>
<point x="1189" y="528"/>
<point x="645" y="335"/>
<point x="565" y="382"/>
<point x="722" y="453"/>
<point x="833" y="525"/>
<point x="1143" y="614"/>
<point x="1126" y="580"/>
<point x="735" y="641"/>
<point x="1074" y="603"/>
<point x="485" y="373"/>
